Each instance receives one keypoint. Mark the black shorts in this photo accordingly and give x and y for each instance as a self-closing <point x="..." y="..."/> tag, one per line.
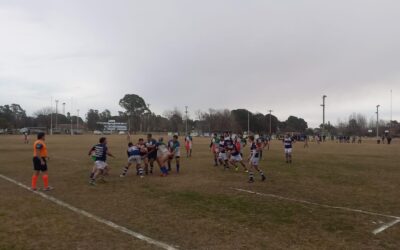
<point x="152" y="156"/>
<point x="37" y="165"/>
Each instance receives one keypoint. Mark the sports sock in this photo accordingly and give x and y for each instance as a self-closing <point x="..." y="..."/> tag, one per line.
<point x="124" y="170"/>
<point x="45" y="180"/>
<point x="34" y="181"/>
<point x="177" y="168"/>
<point x="141" y="171"/>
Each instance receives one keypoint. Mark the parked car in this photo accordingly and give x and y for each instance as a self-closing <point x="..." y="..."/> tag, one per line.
<point x="121" y="132"/>
<point x="97" y="132"/>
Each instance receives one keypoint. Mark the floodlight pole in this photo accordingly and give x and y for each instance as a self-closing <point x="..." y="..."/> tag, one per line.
<point x="63" y="108"/>
<point x="186" y="112"/>
<point x="270" y="122"/>
<point x="323" y="113"/>
<point x="377" y="122"/>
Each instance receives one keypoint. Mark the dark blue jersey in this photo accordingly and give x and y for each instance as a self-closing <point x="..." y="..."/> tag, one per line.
<point x="100" y="152"/>
<point x="287" y="142"/>
<point x="254" y="150"/>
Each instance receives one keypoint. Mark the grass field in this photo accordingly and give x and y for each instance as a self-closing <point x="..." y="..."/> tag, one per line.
<point x="201" y="207"/>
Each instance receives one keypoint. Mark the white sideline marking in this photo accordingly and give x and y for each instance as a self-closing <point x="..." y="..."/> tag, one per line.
<point x="385" y="226"/>
<point x="94" y="217"/>
<point x="379" y="230"/>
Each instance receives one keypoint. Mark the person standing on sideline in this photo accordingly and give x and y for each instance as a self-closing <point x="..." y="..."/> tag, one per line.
<point x="188" y="145"/>
<point x="40" y="158"/>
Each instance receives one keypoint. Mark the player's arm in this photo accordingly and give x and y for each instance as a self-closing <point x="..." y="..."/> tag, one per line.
<point x="91" y="151"/>
<point x="39" y="148"/>
<point x="110" y="154"/>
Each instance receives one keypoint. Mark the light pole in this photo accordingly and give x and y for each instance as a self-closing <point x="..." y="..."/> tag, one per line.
<point x="270" y="122"/>
<point x="63" y="108"/>
<point x="186" y="112"/>
<point x="323" y="113"/>
<point x="377" y="122"/>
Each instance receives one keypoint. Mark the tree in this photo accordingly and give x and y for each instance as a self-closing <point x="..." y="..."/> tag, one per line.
<point x="295" y="124"/>
<point x="92" y="118"/>
<point x="135" y="107"/>
<point x="105" y="115"/>
<point x="175" y="120"/>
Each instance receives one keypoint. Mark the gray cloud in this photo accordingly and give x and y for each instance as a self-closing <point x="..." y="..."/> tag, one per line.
<point x="282" y="55"/>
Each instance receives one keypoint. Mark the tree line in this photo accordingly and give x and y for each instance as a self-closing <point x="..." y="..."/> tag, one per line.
<point x="137" y="114"/>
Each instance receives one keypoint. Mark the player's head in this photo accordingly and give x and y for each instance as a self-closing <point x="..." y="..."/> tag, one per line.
<point x="149" y="136"/>
<point x="222" y="137"/>
<point x="130" y="144"/>
<point x="41" y="136"/>
<point x="161" y="139"/>
<point x="175" y="138"/>
<point x="103" y="140"/>
<point x="141" y="141"/>
<point x="251" y="138"/>
<point x="215" y="134"/>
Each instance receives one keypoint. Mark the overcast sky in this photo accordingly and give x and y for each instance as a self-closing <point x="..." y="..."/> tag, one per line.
<point x="259" y="55"/>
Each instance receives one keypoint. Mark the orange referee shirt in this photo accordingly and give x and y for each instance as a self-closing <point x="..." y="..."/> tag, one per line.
<point x="40" y="149"/>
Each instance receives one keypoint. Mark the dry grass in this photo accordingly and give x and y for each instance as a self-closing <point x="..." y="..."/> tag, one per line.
<point x="199" y="209"/>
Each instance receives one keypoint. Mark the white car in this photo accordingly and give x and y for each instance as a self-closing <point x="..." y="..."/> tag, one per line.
<point x="97" y="132"/>
<point x="121" y="132"/>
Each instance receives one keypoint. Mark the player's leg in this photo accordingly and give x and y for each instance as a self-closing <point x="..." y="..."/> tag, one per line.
<point x="260" y="172"/>
<point x="125" y="169"/>
<point x="169" y="163"/>
<point x="177" y="159"/>
<point x="243" y="165"/>
<point x="233" y="163"/>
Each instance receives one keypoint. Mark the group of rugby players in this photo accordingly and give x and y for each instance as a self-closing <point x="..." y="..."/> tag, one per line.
<point x="227" y="150"/>
<point x="142" y="155"/>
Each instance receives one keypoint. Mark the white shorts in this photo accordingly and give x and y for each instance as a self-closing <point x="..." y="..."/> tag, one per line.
<point x="288" y="150"/>
<point x="254" y="161"/>
<point x="177" y="154"/>
<point x="222" y="156"/>
<point x="135" y="159"/>
<point x="100" y="164"/>
<point x="162" y="153"/>
<point x="236" y="157"/>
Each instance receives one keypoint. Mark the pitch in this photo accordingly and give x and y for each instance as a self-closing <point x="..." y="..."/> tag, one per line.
<point x="203" y="206"/>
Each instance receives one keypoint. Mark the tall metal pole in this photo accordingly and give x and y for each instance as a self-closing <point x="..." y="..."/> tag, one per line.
<point x="63" y="108"/>
<point x="186" y="112"/>
<point x="56" y="113"/>
<point x="377" y="122"/>
<point x="270" y="122"/>
<point x="323" y="113"/>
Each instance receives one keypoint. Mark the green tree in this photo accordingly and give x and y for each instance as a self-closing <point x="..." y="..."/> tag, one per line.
<point x="92" y="117"/>
<point x="135" y="107"/>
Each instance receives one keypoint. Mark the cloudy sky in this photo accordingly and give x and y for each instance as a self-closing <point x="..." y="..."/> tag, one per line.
<point x="260" y="55"/>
